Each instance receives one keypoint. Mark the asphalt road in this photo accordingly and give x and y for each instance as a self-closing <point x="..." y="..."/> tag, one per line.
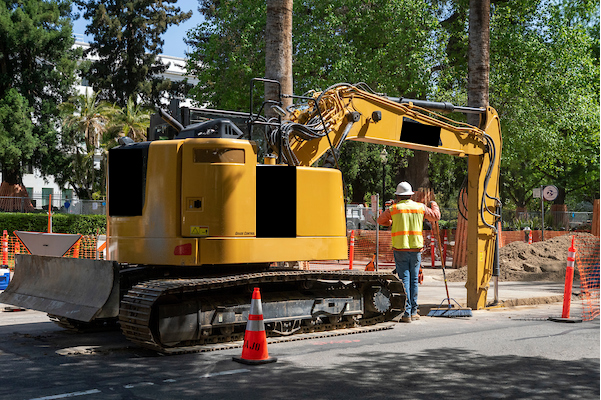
<point x="500" y="353"/>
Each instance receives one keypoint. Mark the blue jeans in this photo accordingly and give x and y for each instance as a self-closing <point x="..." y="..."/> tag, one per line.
<point x="407" y="268"/>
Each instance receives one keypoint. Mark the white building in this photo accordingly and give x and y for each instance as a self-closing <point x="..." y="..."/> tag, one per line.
<point x="40" y="187"/>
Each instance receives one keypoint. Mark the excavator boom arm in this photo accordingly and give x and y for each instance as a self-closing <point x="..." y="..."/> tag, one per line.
<point x="346" y="112"/>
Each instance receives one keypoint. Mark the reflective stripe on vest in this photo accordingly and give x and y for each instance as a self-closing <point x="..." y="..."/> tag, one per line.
<point x="407" y="224"/>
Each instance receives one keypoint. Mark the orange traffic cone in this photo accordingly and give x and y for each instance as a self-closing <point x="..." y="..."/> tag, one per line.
<point x="254" y="350"/>
<point x="370" y="265"/>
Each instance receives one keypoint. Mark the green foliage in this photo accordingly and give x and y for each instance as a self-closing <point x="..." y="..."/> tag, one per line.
<point x="90" y="127"/>
<point x="61" y="223"/>
<point x="362" y="170"/>
<point x="131" y="121"/>
<point x="85" y="119"/>
<point x="227" y="51"/>
<point x="37" y="72"/>
<point x="17" y="141"/>
<point x="387" y="44"/>
<point x="391" y="49"/>
<point x="549" y="99"/>
<point x="544" y="82"/>
<point x="127" y="40"/>
<point x="447" y="174"/>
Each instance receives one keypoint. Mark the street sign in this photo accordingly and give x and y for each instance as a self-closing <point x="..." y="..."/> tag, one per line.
<point x="550" y="193"/>
<point x="536" y="193"/>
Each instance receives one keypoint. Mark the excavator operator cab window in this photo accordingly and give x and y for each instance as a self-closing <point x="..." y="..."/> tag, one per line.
<point x="219" y="156"/>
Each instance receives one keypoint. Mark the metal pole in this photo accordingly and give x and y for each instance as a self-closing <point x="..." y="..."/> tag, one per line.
<point x="377" y="233"/>
<point x="383" y="185"/>
<point x="542" y="213"/>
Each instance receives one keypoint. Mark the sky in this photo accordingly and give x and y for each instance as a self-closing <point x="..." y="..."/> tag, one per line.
<point x="174" y="37"/>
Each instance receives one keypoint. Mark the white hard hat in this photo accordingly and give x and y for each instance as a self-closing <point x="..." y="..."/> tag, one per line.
<point x="404" y="189"/>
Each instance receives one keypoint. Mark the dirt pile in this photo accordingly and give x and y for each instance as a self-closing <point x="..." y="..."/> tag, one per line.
<point x="539" y="261"/>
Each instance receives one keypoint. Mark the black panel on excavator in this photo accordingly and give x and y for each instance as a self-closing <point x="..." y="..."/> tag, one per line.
<point x="415" y="132"/>
<point x="276" y="201"/>
<point x="127" y="179"/>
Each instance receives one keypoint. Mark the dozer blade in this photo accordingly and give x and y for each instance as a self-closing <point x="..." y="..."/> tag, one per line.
<point x="73" y="288"/>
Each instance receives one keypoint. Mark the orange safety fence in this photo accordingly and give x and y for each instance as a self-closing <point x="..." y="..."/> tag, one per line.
<point x="365" y="244"/>
<point x="587" y="262"/>
<point x="84" y="248"/>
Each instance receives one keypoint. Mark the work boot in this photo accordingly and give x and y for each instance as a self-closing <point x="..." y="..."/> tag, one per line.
<point x="415" y="317"/>
<point x="406" y="319"/>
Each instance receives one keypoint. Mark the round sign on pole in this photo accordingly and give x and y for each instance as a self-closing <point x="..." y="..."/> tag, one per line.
<point x="550" y="193"/>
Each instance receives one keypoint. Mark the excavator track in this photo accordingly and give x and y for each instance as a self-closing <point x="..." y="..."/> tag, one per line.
<point x="143" y="322"/>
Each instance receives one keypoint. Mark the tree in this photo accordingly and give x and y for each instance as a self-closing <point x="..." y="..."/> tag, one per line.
<point x="544" y="75"/>
<point x="85" y="121"/>
<point x="17" y="143"/>
<point x="86" y="114"/>
<point x="278" y="50"/>
<point x="478" y="57"/>
<point x="37" y="73"/>
<point x="227" y="51"/>
<point x="392" y="50"/>
<point x="546" y="89"/>
<point x="127" y="40"/>
<point x="131" y="121"/>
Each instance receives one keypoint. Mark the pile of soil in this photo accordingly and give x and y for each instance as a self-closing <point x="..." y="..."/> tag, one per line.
<point x="539" y="261"/>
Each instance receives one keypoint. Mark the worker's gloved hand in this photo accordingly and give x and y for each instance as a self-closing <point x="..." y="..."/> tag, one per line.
<point x="420" y="276"/>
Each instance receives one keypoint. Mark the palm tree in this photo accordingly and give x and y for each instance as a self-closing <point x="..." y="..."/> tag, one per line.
<point x="87" y="115"/>
<point x="131" y="121"/>
<point x="85" y="121"/>
<point x="478" y="56"/>
<point x="278" y="50"/>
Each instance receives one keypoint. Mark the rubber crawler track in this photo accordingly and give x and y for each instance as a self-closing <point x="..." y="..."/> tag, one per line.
<point x="137" y="305"/>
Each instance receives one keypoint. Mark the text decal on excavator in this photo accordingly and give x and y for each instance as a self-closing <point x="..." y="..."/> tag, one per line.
<point x="199" y="231"/>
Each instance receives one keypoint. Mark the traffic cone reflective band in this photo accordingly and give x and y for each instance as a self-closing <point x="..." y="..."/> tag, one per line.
<point x="254" y="350"/>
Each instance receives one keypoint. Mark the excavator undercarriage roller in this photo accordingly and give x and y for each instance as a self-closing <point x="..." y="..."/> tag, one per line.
<point x="163" y="314"/>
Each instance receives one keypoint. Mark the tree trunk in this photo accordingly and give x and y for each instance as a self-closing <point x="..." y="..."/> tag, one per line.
<point x="478" y="57"/>
<point x="278" y="50"/>
<point x="416" y="173"/>
<point x="560" y="216"/>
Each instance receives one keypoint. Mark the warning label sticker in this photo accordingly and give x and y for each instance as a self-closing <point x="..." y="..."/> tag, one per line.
<point x="199" y="231"/>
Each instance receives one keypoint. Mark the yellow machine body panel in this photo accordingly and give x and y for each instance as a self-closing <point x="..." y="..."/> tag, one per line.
<point x="206" y="201"/>
<point x="321" y="210"/>
<point x="218" y="188"/>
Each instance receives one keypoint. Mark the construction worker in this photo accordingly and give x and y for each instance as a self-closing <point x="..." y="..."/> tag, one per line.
<point x="407" y="217"/>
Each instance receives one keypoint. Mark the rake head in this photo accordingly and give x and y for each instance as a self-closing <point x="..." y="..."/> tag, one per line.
<point x="450" y="311"/>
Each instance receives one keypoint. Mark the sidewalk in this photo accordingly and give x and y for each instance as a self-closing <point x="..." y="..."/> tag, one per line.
<point x="432" y="291"/>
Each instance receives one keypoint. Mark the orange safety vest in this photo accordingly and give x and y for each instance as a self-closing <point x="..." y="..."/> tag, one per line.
<point x="407" y="224"/>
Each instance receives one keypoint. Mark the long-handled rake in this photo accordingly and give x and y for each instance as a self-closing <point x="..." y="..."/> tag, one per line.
<point x="450" y="311"/>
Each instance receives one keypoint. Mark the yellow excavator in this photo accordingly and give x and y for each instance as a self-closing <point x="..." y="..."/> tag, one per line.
<point x="194" y="223"/>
